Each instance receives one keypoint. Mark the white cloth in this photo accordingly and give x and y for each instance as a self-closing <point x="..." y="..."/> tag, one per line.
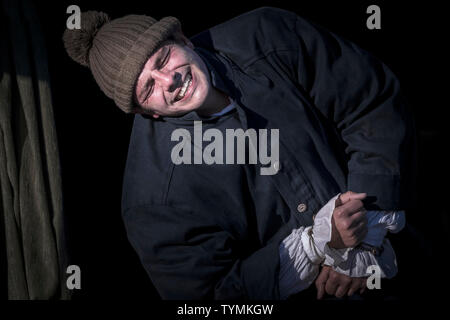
<point x="358" y="260"/>
<point x="380" y="222"/>
<point x="306" y="248"/>
<point x="297" y="272"/>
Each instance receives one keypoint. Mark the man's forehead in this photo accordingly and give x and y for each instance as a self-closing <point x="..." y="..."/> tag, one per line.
<point x="161" y="46"/>
<point x="155" y="54"/>
<point x="158" y="50"/>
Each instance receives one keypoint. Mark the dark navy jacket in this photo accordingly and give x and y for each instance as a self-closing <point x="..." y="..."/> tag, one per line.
<point x="213" y="231"/>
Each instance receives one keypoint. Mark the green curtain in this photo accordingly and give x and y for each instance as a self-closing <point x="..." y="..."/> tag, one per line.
<point x="30" y="182"/>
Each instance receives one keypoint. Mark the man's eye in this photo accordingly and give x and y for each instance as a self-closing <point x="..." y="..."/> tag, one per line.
<point x="165" y="60"/>
<point x="149" y="91"/>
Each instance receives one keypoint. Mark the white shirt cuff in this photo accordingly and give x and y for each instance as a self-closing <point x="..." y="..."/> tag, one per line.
<point x="297" y="272"/>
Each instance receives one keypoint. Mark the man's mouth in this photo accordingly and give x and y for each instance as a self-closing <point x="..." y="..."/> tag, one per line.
<point x="184" y="88"/>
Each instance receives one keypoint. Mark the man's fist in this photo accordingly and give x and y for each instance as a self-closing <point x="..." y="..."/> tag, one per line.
<point x="336" y="284"/>
<point x="349" y="222"/>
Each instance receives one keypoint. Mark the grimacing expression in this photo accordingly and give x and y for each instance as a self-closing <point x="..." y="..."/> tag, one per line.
<point x="174" y="80"/>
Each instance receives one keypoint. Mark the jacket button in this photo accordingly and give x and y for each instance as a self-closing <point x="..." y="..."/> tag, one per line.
<point x="302" y="207"/>
<point x="277" y="165"/>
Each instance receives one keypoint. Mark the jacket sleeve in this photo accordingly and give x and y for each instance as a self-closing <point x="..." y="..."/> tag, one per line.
<point x="361" y="98"/>
<point x="190" y="257"/>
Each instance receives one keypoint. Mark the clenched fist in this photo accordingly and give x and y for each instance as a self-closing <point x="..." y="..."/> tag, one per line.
<point x="339" y="285"/>
<point x="349" y="222"/>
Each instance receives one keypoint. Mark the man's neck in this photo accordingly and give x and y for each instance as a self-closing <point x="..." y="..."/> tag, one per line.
<point x="217" y="101"/>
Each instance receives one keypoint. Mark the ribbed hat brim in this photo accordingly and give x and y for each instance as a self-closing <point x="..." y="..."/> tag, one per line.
<point x="132" y="65"/>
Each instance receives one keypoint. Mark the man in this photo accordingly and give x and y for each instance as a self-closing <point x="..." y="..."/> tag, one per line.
<point x="209" y="230"/>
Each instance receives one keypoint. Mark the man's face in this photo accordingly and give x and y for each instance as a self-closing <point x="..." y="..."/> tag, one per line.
<point x="174" y="81"/>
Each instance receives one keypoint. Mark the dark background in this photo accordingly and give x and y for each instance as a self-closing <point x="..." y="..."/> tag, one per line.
<point x="93" y="134"/>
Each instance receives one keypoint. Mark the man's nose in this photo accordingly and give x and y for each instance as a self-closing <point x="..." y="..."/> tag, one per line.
<point x="166" y="79"/>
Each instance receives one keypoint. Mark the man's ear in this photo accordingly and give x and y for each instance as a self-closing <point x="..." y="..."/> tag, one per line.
<point x="180" y="37"/>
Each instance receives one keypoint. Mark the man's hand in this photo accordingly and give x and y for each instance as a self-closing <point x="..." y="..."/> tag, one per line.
<point x="349" y="222"/>
<point x="337" y="284"/>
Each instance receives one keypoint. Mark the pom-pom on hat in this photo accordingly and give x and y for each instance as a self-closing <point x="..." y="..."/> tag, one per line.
<point x="116" y="50"/>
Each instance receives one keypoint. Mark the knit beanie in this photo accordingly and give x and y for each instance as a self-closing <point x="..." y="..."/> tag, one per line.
<point x="116" y="50"/>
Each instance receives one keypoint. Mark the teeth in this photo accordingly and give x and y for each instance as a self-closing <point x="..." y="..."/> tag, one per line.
<point x="183" y="89"/>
